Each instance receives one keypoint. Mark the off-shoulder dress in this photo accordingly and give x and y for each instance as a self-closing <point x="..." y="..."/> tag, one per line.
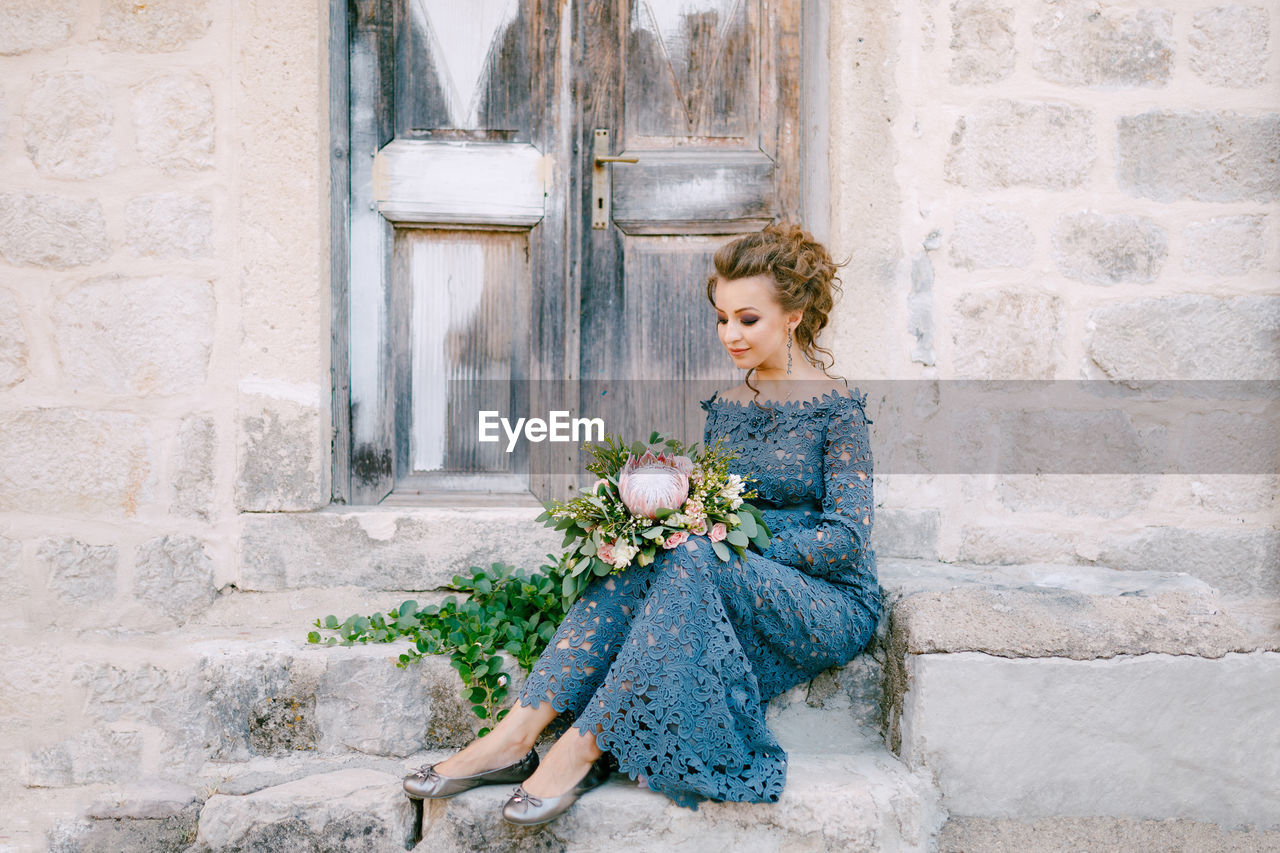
<point x="672" y="664"/>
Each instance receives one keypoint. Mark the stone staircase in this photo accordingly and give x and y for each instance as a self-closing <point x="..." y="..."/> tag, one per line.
<point x="998" y="709"/>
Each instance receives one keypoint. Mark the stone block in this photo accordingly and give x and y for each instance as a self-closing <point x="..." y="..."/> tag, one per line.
<point x="192" y="489"/>
<point x="174" y="122"/>
<point x="170" y="225"/>
<point x="1233" y="493"/>
<point x="79" y="574"/>
<point x="982" y="48"/>
<point x="1186" y="337"/>
<point x="899" y="532"/>
<point x="237" y="682"/>
<point x="1054" y="834"/>
<point x="68" y="121"/>
<point x="1098" y="495"/>
<point x="1229" y="45"/>
<point x="988" y="237"/>
<point x="36" y="24"/>
<point x="14" y="354"/>
<point x="1043" y="610"/>
<point x="51" y="231"/>
<point x="75" y="461"/>
<point x="1224" y="245"/>
<point x="1006" y="143"/>
<point x="365" y="703"/>
<point x="153" y="27"/>
<point x="1104" y="249"/>
<point x="174" y="575"/>
<point x="1238" y="562"/>
<point x="280" y="457"/>
<point x="173" y="834"/>
<point x="13" y="583"/>
<point x="1005" y="544"/>
<point x="146" y="799"/>
<point x="377" y="549"/>
<point x="1006" y="334"/>
<point x="1081" y="45"/>
<point x="1230" y="443"/>
<point x="1149" y="736"/>
<point x="832" y="803"/>
<point x="96" y="755"/>
<point x="361" y="811"/>
<point x="1203" y="155"/>
<point x="144" y="336"/>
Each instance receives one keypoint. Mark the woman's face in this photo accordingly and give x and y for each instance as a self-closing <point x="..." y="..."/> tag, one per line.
<point x="752" y="325"/>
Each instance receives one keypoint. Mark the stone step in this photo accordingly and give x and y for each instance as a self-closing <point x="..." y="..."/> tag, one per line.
<point x="858" y="800"/>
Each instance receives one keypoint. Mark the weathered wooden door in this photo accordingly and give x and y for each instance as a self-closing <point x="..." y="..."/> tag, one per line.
<point x="495" y="261"/>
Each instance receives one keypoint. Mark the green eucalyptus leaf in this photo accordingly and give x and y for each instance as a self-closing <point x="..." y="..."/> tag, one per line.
<point x="722" y="550"/>
<point x="738" y="538"/>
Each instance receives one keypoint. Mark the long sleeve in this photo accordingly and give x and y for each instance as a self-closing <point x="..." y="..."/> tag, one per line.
<point x="837" y="547"/>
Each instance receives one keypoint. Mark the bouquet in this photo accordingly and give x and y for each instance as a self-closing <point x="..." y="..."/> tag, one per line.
<point x="644" y="502"/>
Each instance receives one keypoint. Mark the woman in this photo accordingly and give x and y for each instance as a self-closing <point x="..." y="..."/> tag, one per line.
<point x="667" y="668"/>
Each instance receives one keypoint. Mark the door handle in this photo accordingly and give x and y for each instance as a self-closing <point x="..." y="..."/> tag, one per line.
<point x="602" y="179"/>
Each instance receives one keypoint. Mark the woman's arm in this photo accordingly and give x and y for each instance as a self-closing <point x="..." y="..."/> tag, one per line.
<point x="838" y="545"/>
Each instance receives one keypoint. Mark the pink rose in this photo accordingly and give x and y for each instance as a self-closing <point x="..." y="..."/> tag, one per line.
<point x="718" y="531"/>
<point x="699" y="528"/>
<point x="605" y="552"/>
<point x="677" y="538"/>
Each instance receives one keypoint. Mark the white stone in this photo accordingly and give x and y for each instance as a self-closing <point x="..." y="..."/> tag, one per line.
<point x="144" y="336"/>
<point x="364" y="811"/>
<point x="982" y="42"/>
<point x="1084" y="45"/>
<point x="174" y="122"/>
<point x="1186" y="337"/>
<point x="146" y="799"/>
<point x="279" y="456"/>
<point x="154" y="26"/>
<point x="987" y="237"/>
<point x="1006" y="143"/>
<point x="14" y="354"/>
<point x="36" y="24"/>
<point x="1229" y="45"/>
<point x="1146" y="736"/>
<point x="77" y="573"/>
<point x="13" y="585"/>
<point x="68" y="121"/>
<point x="95" y="755"/>
<point x="51" y="231"/>
<point x="174" y="575"/>
<point x="1205" y="155"/>
<point x="1225" y="245"/>
<point x="1006" y="334"/>
<point x="170" y="225"/>
<point x="192" y="489"/>
<point x="1239" y="562"/>
<point x="75" y="461"/>
<point x="1102" y="249"/>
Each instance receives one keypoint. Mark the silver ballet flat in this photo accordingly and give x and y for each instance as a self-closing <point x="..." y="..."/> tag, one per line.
<point x="524" y="809"/>
<point x="427" y="784"/>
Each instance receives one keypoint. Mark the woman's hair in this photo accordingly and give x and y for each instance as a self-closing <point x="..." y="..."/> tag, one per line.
<point x="804" y="277"/>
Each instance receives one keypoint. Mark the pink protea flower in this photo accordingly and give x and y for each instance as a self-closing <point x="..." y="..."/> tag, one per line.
<point x="677" y="538"/>
<point x="718" y="532"/>
<point x="651" y="483"/>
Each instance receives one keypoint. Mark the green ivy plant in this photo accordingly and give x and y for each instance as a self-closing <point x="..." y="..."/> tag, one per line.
<point x="506" y="609"/>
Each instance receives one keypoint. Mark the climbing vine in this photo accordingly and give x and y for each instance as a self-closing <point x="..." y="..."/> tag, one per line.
<point x="506" y="609"/>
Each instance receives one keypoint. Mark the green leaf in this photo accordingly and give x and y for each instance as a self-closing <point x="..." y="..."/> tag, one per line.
<point x="475" y="694"/>
<point x="331" y="622"/>
<point x="655" y="533"/>
<point x="481" y="711"/>
<point x="638" y="448"/>
<point x="602" y="569"/>
<point x="738" y="538"/>
<point x="484" y="731"/>
<point x="722" y="550"/>
<point x="313" y="636"/>
<point x="567" y="587"/>
<point x="664" y="512"/>
<point x="654" y="436"/>
<point x="748" y="523"/>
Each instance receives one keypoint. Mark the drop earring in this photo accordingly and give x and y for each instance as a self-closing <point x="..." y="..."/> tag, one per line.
<point x="788" y="351"/>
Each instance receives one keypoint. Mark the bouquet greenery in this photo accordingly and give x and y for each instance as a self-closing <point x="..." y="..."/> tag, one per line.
<point x="645" y="501"/>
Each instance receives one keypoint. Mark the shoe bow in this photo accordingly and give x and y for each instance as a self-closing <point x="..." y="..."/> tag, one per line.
<point x="520" y="794"/>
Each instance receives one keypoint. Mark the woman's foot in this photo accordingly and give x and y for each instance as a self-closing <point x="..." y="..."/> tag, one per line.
<point x="565" y="764"/>
<point x="487" y="753"/>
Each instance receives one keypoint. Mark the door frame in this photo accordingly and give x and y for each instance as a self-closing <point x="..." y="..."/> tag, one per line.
<point x="815" y="203"/>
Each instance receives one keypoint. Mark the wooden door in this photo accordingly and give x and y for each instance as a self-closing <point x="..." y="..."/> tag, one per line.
<point x="705" y="96"/>
<point x="476" y="278"/>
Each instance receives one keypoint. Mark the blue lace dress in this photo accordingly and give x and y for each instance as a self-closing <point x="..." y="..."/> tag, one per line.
<point x="671" y="664"/>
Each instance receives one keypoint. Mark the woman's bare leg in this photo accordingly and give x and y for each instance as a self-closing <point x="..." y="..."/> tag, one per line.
<point x="510" y="740"/>
<point x="565" y="763"/>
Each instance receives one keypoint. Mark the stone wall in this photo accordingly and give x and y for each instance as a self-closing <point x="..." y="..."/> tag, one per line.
<point x="1076" y="191"/>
